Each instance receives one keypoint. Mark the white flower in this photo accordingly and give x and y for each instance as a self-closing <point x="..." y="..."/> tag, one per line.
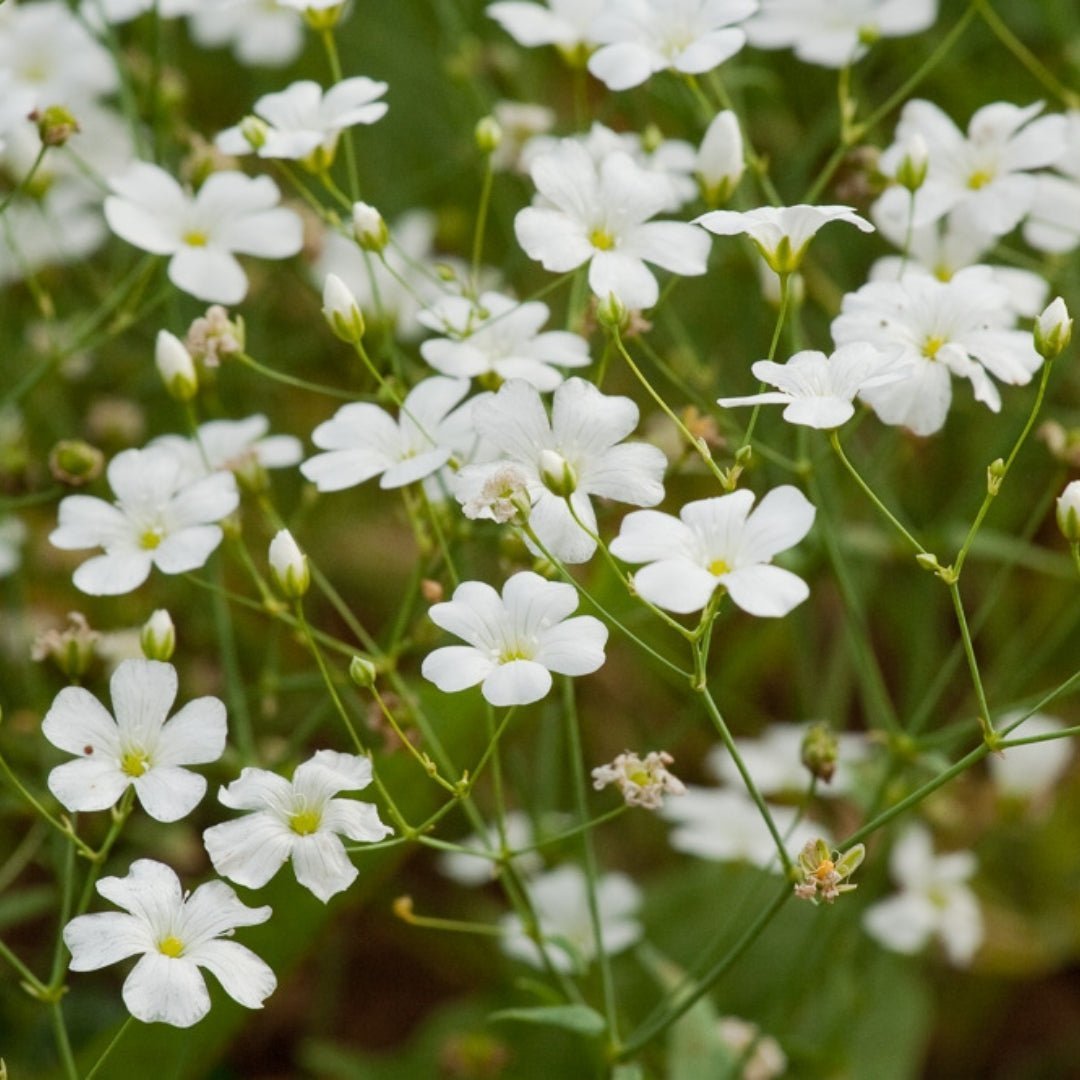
<point x="781" y="233"/>
<point x="774" y="761"/>
<point x="363" y="441"/>
<point x="1068" y="512"/>
<point x="175" y="366"/>
<point x="140" y="748"/>
<point x="515" y="641"/>
<point x="642" y="37"/>
<point x="565" y="23"/>
<point x="161" y="518"/>
<point x="239" y="446"/>
<point x="1026" y="772"/>
<point x="176" y="934"/>
<point x="121" y="11"/>
<point x="818" y="390"/>
<point x="933" y="901"/>
<point x="724" y="824"/>
<point x="520" y="123"/>
<point x="943" y="328"/>
<point x="719" y="542"/>
<point x="834" y="33"/>
<point x="229" y="213"/>
<point x="298" y="820"/>
<point x="984" y="179"/>
<point x="258" y="31"/>
<point x="641" y="781"/>
<point x="303" y="119"/>
<point x="1053" y="223"/>
<point x="1053" y="329"/>
<point x="581" y="443"/>
<point x="476" y="870"/>
<point x="501" y="336"/>
<point x="719" y="163"/>
<point x="560" y="900"/>
<point x="600" y="215"/>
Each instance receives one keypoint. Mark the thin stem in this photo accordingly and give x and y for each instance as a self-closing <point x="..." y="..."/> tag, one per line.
<point x="292" y="380"/>
<point x="63" y="1043"/>
<point x="973" y="664"/>
<point x="234" y="681"/>
<point x="24" y="183"/>
<point x="31" y="979"/>
<point x="424" y="761"/>
<point x="481" y="225"/>
<point x="785" y="300"/>
<point x="109" y="1049"/>
<point x="330" y="45"/>
<point x="62" y="828"/>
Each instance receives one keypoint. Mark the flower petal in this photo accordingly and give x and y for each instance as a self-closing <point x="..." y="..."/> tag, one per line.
<point x="166" y="989"/>
<point x="675" y="585"/>
<point x="321" y="865"/>
<point x="195" y="735"/>
<point x="250" y="850"/>
<point x="169" y="793"/>
<point x="520" y="682"/>
<point x="768" y="591"/>
<point x="243" y="976"/>
<point x="77" y="720"/>
<point x="96" y="941"/>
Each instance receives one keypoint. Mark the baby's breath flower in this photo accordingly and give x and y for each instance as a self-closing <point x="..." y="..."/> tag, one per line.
<point x="158" y="636"/>
<point x="289" y="566"/>
<point x="642" y="782"/>
<point x="1053" y="330"/>
<point x="71" y="649"/>
<point x="503" y="497"/>
<point x="214" y="337"/>
<point x="824" y="872"/>
<point x="175" y="366"/>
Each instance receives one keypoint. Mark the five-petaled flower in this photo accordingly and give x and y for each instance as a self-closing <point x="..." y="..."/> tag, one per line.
<point x="140" y="748"/>
<point x="515" y="641"/>
<point x="176" y="933"/>
<point x="298" y="820"/>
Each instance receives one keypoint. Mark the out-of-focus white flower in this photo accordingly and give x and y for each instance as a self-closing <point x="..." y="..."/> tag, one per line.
<point x="716" y="543"/>
<point x="298" y="820"/>
<point x="600" y="215"/>
<point x="12" y="535"/>
<point x="1053" y="223"/>
<point x="259" y="32"/>
<point x="229" y="213"/>
<point x="520" y="123"/>
<point x="724" y="824"/>
<point x="576" y="453"/>
<point x="175" y="366"/>
<point x="497" y="335"/>
<point x="162" y="517"/>
<point x="774" y="761"/>
<point x="934" y="901"/>
<point x="140" y="748"/>
<point x="288" y="565"/>
<point x="1068" y="512"/>
<point x="942" y="328"/>
<point x="476" y="870"/>
<point x="122" y="11"/>
<point x="984" y="179"/>
<point x="515" y="641"/>
<point x="781" y="233"/>
<point x="566" y="24"/>
<point x="641" y="37"/>
<point x="1053" y="330"/>
<point x="362" y="441"/>
<point x="176" y="934"/>
<point x="641" y="781"/>
<point x="760" y="1056"/>
<point x="1026" y="772"/>
<point x="560" y="899"/>
<point x="834" y="33"/>
<point x="302" y="119"/>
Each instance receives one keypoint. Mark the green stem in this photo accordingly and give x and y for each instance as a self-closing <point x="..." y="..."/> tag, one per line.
<point x="59" y="826"/>
<point x="292" y="380"/>
<point x="973" y="664"/>
<point x="481" y="225"/>
<point x="330" y="45"/>
<point x="785" y="299"/>
<point x="63" y="1043"/>
<point x="28" y="976"/>
<point x="24" y="183"/>
<point x="109" y="1049"/>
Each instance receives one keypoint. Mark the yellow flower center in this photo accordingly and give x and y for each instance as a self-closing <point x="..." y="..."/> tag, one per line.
<point x="171" y="946"/>
<point x="931" y="346"/>
<point x="305" y="822"/>
<point x="980" y="178"/>
<point x="824" y="869"/>
<point x="135" y="762"/>
<point x="639" y="777"/>
<point x="509" y="655"/>
<point x="718" y="567"/>
<point x="151" y="538"/>
<point x="196" y="238"/>
<point x="601" y="239"/>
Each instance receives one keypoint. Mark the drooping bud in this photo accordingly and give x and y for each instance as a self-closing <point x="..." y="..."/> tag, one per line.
<point x="1068" y="512"/>
<point x="488" y="135"/>
<point x="157" y="638"/>
<point x="911" y="172"/>
<point x="362" y="672"/>
<point x="1053" y="330"/>
<point x="341" y="311"/>
<point x="289" y="566"/>
<point x="557" y="473"/>
<point x="720" y="163"/>
<point x="369" y="228"/>
<point x="820" y="751"/>
<point x="74" y="462"/>
<point x="175" y="366"/>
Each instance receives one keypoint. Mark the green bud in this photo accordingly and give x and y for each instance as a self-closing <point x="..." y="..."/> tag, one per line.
<point x="157" y="638"/>
<point x="289" y="566"/>
<point x="369" y="228"/>
<point x="254" y="130"/>
<point x="995" y="473"/>
<point x="341" y="311"/>
<point x="557" y="474"/>
<point x="820" y="751"/>
<point x="175" y="366"/>
<point x="362" y="672"/>
<point x="74" y="462"/>
<point x="55" y="125"/>
<point x="488" y="134"/>
<point x="1053" y="330"/>
<point x="1068" y="512"/>
<point x="611" y="313"/>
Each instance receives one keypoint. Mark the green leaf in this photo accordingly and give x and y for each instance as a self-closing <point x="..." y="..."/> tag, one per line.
<point x="579" y="1018"/>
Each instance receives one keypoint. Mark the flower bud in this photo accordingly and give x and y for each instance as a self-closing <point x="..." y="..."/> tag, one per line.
<point x="55" y="125"/>
<point x="720" y="163"/>
<point x="488" y="134"/>
<point x="72" y="649"/>
<point x="995" y="474"/>
<point x="175" y="366"/>
<point x="157" y="638"/>
<point x="341" y="310"/>
<point x="911" y="172"/>
<point x="362" y="672"/>
<point x="1068" y="512"/>
<point x="611" y="313"/>
<point x="820" y="750"/>
<point x="557" y="474"/>
<point x="1053" y="330"/>
<point x="289" y="566"/>
<point x="74" y="462"/>
<point x="254" y="130"/>
<point x="369" y="228"/>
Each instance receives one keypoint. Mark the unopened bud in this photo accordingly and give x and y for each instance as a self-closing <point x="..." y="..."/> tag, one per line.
<point x="369" y="228"/>
<point x="911" y="172"/>
<point x="611" y="313"/>
<point x="995" y="473"/>
<point x="820" y="751"/>
<point x="431" y="590"/>
<point x="254" y="130"/>
<point x="488" y="135"/>
<point x="289" y="566"/>
<point x="74" y="462"/>
<point x="1068" y="512"/>
<point x="362" y="672"/>
<point x="557" y="474"/>
<point x="175" y="366"/>
<point x="71" y="649"/>
<point x="157" y="638"/>
<point x="341" y="311"/>
<point x="720" y="163"/>
<point x="55" y="125"/>
<point x="1053" y="330"/>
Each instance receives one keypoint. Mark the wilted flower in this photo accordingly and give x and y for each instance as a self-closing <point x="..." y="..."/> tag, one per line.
<point x="641" y="782"/>
<point x="71" y="649"/>
<point x="825" y="873"/>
